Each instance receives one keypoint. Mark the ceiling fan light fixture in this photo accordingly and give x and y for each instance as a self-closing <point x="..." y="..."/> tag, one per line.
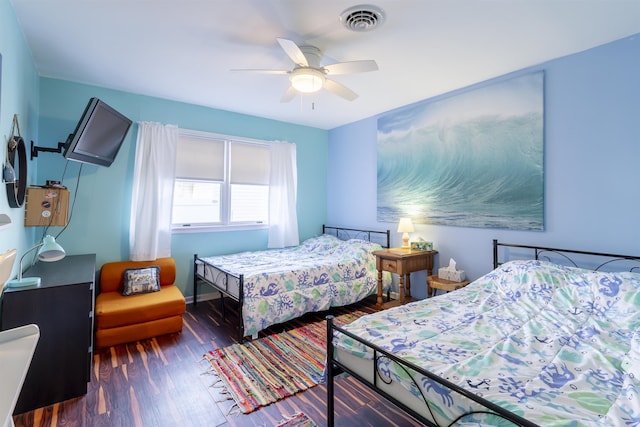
<point x="307" y="80"/>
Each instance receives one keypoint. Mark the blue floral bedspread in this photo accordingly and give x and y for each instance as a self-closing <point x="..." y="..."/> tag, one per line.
<point x="283" y="284"/>
<point x="557" y="345"/>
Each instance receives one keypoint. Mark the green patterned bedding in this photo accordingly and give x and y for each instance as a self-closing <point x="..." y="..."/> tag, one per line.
<point x="557" y="345"/>
<point x="283" y="284"/>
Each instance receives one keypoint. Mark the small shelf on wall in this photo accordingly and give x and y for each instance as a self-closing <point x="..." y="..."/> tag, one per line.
<point x="5" y="221"/>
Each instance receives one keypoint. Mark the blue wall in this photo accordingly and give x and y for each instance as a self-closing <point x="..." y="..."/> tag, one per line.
<point x="49" y="109"/>
<point x="18" y="95"/>
<point x="592" y="148"/>
<point x="592" y="159"/>
<point x="100" y="217"/>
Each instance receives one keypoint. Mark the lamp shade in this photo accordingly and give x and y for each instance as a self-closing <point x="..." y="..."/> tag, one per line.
<point x="50" y="251"/>
<point x="405" y="225"/>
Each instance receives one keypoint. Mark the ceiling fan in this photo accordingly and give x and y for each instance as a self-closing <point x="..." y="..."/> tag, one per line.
<point x="309" y="76"/>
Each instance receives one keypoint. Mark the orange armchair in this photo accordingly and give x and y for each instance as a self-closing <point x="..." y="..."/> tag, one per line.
<point x="121" y="319"/>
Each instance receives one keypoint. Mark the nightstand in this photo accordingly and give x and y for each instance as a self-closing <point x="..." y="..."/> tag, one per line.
<point x="403" y="262"/>
<point x="434" y="282"/>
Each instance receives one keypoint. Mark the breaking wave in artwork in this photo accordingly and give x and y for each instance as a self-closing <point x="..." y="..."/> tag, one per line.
<point x="482" y="172"/>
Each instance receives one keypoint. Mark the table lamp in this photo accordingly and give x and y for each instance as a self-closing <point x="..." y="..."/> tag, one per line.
<point x="49" y="251"/>
<point x="405" y="226"/>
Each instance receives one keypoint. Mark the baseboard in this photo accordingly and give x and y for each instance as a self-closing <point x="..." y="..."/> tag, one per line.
<point x="203" y="297"/>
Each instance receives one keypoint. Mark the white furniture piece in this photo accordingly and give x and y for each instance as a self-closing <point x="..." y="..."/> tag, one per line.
<point x="5" y="221"/>
<point x="6" y="265"/>
<point x="17" y="346"/>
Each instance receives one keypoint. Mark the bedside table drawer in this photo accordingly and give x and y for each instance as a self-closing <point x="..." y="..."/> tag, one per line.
<point x="389" y="265"/>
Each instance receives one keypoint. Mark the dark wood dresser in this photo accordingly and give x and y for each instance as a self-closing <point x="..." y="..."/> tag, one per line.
<point x="62" y="307"/>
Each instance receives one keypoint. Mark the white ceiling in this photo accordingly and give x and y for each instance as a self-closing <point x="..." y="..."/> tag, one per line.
<point x="183" y="50"/>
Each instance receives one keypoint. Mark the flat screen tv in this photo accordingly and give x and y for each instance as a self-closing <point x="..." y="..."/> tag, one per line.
<point x="98" y="135"/>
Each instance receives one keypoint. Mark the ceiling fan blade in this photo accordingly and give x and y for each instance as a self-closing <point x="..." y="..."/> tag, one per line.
<point x="340" y="90"/>
<point x="294" y="52"/>
<point x="261" y="71"/>
<point x="351" y="67"/>
<point x="289" y="94"/>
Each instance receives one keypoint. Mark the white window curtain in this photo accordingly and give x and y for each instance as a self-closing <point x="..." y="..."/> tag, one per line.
<point x="283" y="218"/>
<point x="152" y="195"/>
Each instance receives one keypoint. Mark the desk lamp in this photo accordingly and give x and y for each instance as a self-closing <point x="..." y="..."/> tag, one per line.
<point x="49" y="251"/>
<point x="405" y="226"/>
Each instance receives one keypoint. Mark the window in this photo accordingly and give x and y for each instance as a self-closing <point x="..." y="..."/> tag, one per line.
<point x="220" y="181"/>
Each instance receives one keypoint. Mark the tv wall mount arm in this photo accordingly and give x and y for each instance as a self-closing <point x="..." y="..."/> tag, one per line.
<point x="35" y="150"/>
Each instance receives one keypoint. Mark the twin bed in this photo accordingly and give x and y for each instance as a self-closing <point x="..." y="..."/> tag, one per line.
<point x="533" y="342"/>
<point x="539" y="340"/>
<point x="273" y="286"/>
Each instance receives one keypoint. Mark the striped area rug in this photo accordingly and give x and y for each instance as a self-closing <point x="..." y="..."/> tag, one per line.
<point x="263" y="371"/>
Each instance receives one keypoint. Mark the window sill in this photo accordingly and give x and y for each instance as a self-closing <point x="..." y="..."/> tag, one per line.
<point x="217" y="228"/>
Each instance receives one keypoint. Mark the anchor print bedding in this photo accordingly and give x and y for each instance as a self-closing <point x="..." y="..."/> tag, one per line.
<point x="557" y="345"/>
<point x="283" y="284"/>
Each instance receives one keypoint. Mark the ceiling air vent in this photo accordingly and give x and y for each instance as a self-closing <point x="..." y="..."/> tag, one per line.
<point x="362" y="18"/>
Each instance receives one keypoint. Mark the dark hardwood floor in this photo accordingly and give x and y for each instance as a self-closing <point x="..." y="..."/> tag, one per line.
<point x="163" y="382"/>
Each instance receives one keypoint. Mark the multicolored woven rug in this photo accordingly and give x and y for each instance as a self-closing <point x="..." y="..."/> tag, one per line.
<point x="298" y="420"/>
<point x="266" y="370"/>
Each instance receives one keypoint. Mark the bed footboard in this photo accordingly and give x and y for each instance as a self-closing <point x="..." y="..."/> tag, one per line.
<point x="424" y="411"/>
<point x="228" y="284"/>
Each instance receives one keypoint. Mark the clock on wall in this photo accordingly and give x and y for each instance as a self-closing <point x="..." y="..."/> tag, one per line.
<point x="15" y="169"/>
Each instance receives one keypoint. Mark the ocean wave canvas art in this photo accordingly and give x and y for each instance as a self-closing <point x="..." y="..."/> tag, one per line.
<point x="475" y="159"/>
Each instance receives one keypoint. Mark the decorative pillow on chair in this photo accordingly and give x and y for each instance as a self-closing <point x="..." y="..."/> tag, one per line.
<point x="141" y="280"/>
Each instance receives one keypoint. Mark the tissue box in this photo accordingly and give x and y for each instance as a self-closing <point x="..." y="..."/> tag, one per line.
<point x="421" y="246"/>
<point x="448" y="273"/>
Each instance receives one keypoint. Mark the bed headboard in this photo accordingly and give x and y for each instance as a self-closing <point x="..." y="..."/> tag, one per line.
<point x="381" y="237"/>
<point x="596" y="261"/>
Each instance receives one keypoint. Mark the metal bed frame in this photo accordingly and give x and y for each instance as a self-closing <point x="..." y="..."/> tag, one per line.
<point x="555" y="254"/>
<point x="501" y="251"/>
<point x="223" y="281"/>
